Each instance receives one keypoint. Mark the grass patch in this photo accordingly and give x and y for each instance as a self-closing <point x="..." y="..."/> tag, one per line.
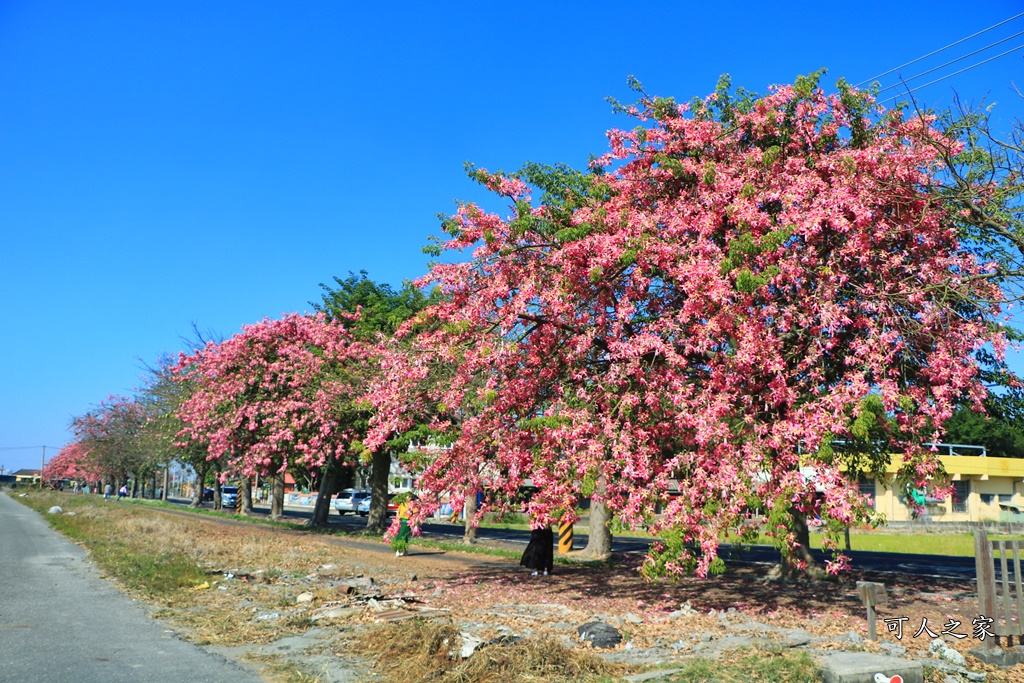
<point x="951" y="545"/>
<point x="223" y="514"/>
<point x="181" y="562"/>
<point x="757" y="666"/>
<point x="458" y="546"/>
<point x="159" y="570"/>
<point x="427" y="652"/>
<point x="480" y="549"/>
<point x="509" y="520"/>
<point x="922" y="543"/>
<point x="278" y="669"/>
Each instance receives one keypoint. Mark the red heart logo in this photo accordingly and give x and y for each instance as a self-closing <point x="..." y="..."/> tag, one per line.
<point x="881" y="678"/>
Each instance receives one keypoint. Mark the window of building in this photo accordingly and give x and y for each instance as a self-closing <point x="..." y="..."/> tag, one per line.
<point x="961" y="489"/>
<point x="992" y="498"/>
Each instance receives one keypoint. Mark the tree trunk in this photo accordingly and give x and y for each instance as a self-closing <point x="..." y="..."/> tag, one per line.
<point x="245" y="496"/>
<point x="347" y="478"/>
<point x="599" y="539"/>
<point x="152" y="485"/>
<point x="277" y="493"/>
<point x="218" y="503"/>
<point x="167" y="482"/>
<point x="328" y="487"/>
<point x="802" y="553"/>
<point x="377" y="522"/>
<point x="469" y="508"/>
<point x="197" y="495"/>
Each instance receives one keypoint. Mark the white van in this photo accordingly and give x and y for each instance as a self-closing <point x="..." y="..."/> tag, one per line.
<point x="349" y="499"/>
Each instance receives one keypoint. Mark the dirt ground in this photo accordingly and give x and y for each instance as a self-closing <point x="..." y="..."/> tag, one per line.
<point x="292" y="604"/>
<point x="355" y="584"/>
<point x="470" y="587"/>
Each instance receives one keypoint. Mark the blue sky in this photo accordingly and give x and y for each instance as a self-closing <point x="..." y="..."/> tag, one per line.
<point x="166" y="163"/>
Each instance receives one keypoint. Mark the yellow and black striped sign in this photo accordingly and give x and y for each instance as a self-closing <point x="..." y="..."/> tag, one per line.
<point x="565" y="538"/>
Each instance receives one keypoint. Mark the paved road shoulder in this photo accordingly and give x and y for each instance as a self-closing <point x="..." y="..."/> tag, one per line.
<point x="61" y="621"/>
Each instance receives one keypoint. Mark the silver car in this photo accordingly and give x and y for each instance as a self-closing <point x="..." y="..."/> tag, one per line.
<point x="229" y="496"/>
<point x="349" y="499"/>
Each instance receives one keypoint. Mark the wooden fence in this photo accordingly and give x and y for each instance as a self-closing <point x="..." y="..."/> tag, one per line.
<point x="1000" y="601"/>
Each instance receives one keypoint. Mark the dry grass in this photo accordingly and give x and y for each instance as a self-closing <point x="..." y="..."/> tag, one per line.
<point x="427" y="652"/>
<point x="278" y="669"/>
<point x="180" y="563"/>
<point x="163" y="557"/>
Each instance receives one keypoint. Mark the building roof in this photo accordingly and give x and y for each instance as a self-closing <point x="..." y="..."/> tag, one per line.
<point x="975" y="465"/>
<point x="27" y="473"/>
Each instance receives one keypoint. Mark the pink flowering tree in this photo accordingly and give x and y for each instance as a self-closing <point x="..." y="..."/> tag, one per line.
<point x="74" y="461"/>
<point x="381" y="310"/>
<point x="410" y="419"/>
<point x="739" y="289"/>
<point x="281" y="393"/>
<point x="112" y="436"/>
<point x="161" y="394"/>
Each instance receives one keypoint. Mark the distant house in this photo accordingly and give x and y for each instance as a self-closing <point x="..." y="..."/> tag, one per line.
<point x="984" y="490"/>
<point x="26" y="477"/>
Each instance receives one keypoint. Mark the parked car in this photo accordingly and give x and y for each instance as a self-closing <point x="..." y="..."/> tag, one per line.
<point x="207" y="494"/>
<point x="364" y="506"/>
<point x="349" y="499"/>
<point x="229" y="496"/>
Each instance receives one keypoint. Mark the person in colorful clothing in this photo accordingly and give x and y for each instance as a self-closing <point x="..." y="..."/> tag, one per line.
<point x="404" y="532"/>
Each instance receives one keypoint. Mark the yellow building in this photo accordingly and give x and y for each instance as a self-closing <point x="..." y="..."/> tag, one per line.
<point x="27" y="476"/>
<point x="985" y="490"/>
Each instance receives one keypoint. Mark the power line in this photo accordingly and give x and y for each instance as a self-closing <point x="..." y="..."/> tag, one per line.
<point x="915" y="61"/>
<point x="952" y="61"/>
<point x="966" y="68"/>
<point x="25" y="448"/>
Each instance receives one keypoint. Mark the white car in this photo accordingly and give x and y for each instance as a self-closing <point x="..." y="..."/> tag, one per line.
<point x="349" y="499"/>
<point x="364" y="506"/>
<point x="229" y="496"/>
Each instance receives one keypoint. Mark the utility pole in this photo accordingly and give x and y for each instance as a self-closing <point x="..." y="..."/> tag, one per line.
<point x="42" y="464"/>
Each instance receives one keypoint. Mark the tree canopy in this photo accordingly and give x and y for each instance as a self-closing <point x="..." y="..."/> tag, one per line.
<point x="737" y="284"/>
<point x="280" y="391"/>
<point x="381" y="309"/>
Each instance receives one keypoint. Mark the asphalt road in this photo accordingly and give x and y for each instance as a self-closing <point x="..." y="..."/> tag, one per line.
<point x="933" y="566"/>
<point x="61" y="621"/>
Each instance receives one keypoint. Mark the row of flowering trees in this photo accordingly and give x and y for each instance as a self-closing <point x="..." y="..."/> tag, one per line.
<point x="735" y="287"/>
<point x="110" y="445"/>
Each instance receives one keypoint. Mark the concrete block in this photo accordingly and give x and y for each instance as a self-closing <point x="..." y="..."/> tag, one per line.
<point x="861" y="667"/>
<point x="998" y="656"/>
